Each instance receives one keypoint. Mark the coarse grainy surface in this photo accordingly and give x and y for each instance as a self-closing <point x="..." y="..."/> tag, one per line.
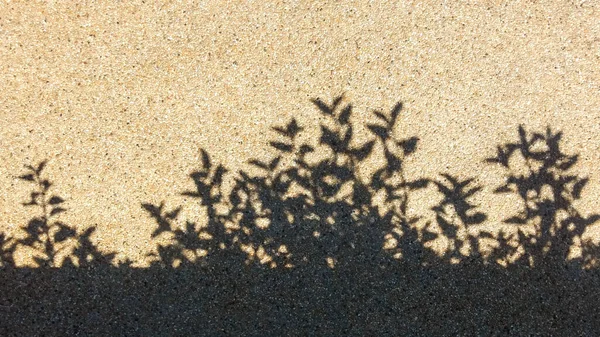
<point x="121" y="99"/>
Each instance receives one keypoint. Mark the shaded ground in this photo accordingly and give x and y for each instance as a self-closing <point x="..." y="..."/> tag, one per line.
<point x="441" y="301"/>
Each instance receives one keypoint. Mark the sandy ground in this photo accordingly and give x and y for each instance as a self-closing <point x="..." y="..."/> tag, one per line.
<point x="120" y="97"/>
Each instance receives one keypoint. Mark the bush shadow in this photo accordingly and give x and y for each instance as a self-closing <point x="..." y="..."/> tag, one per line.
<point x="311" y="243"/>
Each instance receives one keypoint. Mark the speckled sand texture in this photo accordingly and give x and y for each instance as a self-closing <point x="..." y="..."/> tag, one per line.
<point x="120" y="96"/>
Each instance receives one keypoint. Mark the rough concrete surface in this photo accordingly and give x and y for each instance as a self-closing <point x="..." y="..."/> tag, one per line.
<point x="120" y="97"/>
